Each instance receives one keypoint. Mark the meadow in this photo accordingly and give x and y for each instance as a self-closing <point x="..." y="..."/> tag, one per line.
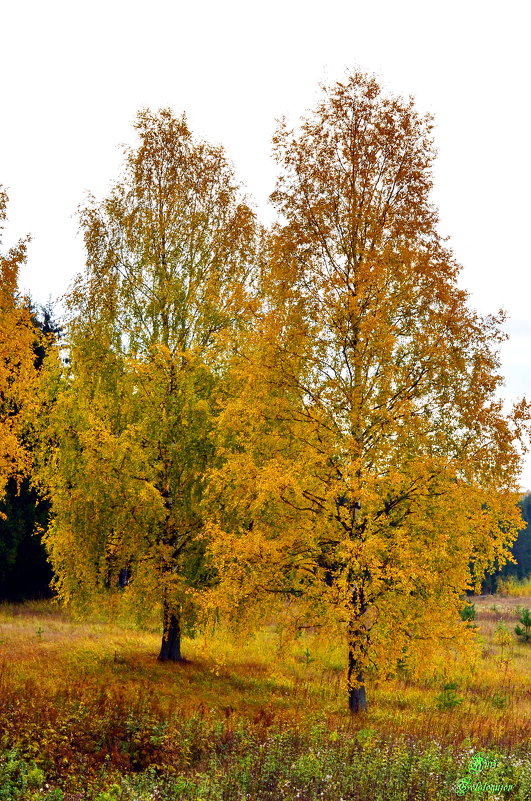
<point x="87" y="714"/>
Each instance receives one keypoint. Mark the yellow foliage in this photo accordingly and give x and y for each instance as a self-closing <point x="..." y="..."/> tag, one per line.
<point x="126" y="443"/>
<point x="17" y="369"/>
<point x="369" y="470"/>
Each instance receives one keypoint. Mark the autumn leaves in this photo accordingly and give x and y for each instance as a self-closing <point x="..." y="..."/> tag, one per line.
<point x="301" y="420"/>
<point x="18" y="337"/>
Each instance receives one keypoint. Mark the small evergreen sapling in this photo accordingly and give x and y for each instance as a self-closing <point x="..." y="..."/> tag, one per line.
<point x="449" y="697"/>
<point x="468" y="613"/>
<point x="524" y="631"/>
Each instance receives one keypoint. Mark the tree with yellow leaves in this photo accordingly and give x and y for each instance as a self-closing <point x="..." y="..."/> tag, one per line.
<point x="370" y="472"/>
<point x="18" y="336"/>
<point x="128" y="441"/>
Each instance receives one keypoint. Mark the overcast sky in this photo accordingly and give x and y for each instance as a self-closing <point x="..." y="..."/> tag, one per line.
<point x="73" y="75"/>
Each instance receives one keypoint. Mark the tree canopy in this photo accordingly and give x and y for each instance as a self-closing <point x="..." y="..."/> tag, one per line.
<point x="17" y="362"/>
<point x="370" y="472"/>
<point x="128" y="439"/>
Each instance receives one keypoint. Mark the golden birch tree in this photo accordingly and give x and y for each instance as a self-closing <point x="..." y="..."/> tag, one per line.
<point x="128" y="440"/>
<point x="18" y="337"/>
<point x="370" y="472"/>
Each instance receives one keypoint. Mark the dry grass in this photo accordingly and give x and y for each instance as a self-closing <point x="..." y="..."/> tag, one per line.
<point x="81" y="696"/>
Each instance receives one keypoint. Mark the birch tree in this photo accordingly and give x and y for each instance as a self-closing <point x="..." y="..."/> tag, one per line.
<point x="128" y="443"/>
<point x="371" y="474"/>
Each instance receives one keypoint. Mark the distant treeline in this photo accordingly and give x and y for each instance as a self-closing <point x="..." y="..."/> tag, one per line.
<point x="521" y="551"/>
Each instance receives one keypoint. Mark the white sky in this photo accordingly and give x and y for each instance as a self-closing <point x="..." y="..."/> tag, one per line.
<point x="72" y="77"/>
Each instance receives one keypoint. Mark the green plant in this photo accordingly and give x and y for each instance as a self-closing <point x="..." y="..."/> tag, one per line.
<point x="112" y="794"/>
<point x="524" y="631"/>
<point x="448" y="698"/>
<point x="468" y="612"/>
<point x="499" y="701"/>
<point x="18" y="778"/>
<point x="35" y="777"/>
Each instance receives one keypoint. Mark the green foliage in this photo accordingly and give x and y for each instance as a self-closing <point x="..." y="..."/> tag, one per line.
<point x="503" y="638"/>
<point x="449" y="698"/>
<point x="88" y="723"/>
<point x="285" y="766"/>
<point x="524" y="631"/>
<point x="499" y="701"/>
<point x="468" y="612"/>
<point x="24" y="571"/>
<point x="19" y="778"/>
<point x="522" y="546"/>
<point x="112" y="794"/>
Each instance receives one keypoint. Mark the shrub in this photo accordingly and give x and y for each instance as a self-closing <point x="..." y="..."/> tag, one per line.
<point x="19" y="777"/>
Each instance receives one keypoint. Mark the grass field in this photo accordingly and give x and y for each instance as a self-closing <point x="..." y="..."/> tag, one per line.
<point x="87" y="714"/>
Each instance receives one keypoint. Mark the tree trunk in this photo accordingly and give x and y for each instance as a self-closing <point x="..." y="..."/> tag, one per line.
<point x="357" y="700"/>
<point x="170" y="650"/>
<point x="358" y="645"/>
